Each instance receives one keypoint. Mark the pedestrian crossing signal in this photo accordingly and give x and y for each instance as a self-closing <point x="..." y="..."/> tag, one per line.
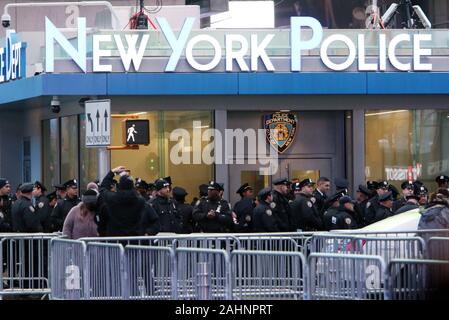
<point x="137" y="132"/>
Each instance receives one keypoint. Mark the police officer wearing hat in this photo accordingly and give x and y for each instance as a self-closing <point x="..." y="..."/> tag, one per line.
<point x="423" y="196"/>
<point x="407" y="190"/>
<point x="442" y="181"/>
<point x="280" y="204"/>
<point x="63" y="206"/>
<point x="412" y="201"/>
<point x="265" y="218"/>
<point x="169" y="219"/>
<point x="185" y="210"/>
<point x="60" y="190"/>
<point x="341" y="185"/>
<point x="5" y="205"/>
<point x="384" y="208"/>
<point x="244" y="209"/>
<point x="363" y="195"/>
<point x="333" y="203"/>
<point x="343" y="218"/>
<point x="24" y="215"/>
<point x="213" y="213"/>
<point x="373" y="204"/>
<point x="141" y="188"/>
<point x="41" y="205"/>
<point x="303" y="208"/>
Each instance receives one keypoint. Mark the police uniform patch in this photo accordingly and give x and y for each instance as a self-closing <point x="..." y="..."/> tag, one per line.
<point x="248" y="218"/>
<point x="272" y="205"/>
<point x="31" y="208"/>
<point x="40" y="205"/>
<point x="269" y="212"/>
<point x="334" y="220"/>
<point x="348" y="221"/>
<point x="368" y="204"/>
<point x="313" y="200"/>
<point x="1" y="215"/>
<point x="309" y="204"/>
<point x="197" y="203"/>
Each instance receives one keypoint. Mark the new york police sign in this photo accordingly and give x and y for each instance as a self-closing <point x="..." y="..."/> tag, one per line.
<point x="12" y="58"/>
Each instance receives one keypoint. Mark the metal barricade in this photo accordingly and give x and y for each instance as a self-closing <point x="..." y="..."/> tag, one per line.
<point x="202" y="274"/>
<point x="24" y="267"/>
<point x="104" y="271"/>
<point x="417" y="279"/>
<point x="268" y="275"/>
<point x="150" y="273"/>
<point x="335" y="243"/>
<point x="67" y="268"/>
<point x="438" y="248"/>
<point x="346" y="277"/>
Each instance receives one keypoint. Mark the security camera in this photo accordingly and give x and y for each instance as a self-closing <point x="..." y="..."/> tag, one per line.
<point x="6" y="20"/>
<point x="55" y="105"/>
<point x="422" y="16"/>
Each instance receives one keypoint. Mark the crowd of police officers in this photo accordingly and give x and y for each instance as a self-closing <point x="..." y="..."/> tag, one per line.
<point x="128" y="207"/>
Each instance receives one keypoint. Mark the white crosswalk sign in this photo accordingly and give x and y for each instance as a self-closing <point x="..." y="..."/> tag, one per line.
<point x="98" y="123"/>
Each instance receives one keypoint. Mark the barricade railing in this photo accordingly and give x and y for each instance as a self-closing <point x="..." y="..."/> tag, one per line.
<point x="438" y="248"/>
<point x="335" y="243"/>
<point x="424" y="234"/>
<point x="150" y="273"/>
<point x="203" y="274"/>
<point x="67" y="268"/>
<point x="268" y="275"/>
<point x="409" y="279"/>
<point x="335" y="276"/>
<point x="24" y="264"/>
<point x="104" y="271"/>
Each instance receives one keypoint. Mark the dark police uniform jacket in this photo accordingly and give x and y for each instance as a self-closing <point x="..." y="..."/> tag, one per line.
<point x="43" y="209"/>
<point x="61" y="210"/>
<point x="320" y="200"/>
<point x="382" y="212"/>
<point x="281" y="209"/>
<point x="24" y="217"/>
<point x="305" y="214"/>
<point x="169" y="218"/>
<point x="221" y="222"/>
<point x="149" y="223"/>
<point x="5" y="213"/>
<point x="359" y="209"/>
<point x="185" y="213"/>
<point x="406" y="207"/>
<point x="244" y="209"/>
<point x="327" y="218"/>
<point x="342" y="219"/>
<point x="266" y="219"/>
<point x="397" y="204"/>
<point x="370" y="210"/>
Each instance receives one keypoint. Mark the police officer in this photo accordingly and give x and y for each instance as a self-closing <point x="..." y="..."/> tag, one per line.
<point x="63" y="206"/>
<point x="41" y="205"/>
<point x="323" y="186"/>
<point x="373" y="203"/>
<point x="5" y="205"/>
<point x="52" y="199"/>
<point x="60" y="191"/>
<point x="372" y="186"/>
<point x="423" y="196"/>
<point x="407" y="190"/>
<point x="265" y="219"/>
<point x="412" y="202"/>
<point x="305" y="213"/>
<point x="141" y="188"/>
<point x="363" y="195"/>
<point x="280" y="204"/>
<point x="165" y="208"/>
<point x="334" y="204"/>
<point x="24" y="215"/>
<point x="184" y="210"/>
<point x="343" y="218"/>
<point x="213" y="214"/>
<point x="442" y="181"/>
<point x="384" y="208"/>
<point x="244" y="209"/>
<point x="341" y="185"/>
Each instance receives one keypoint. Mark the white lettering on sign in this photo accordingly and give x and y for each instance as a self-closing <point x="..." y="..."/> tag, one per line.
<point x="12" y="58"/>
<point x="249" y="46"/>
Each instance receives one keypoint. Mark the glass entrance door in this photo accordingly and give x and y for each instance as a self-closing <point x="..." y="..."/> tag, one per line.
<point x="299" y="169"/>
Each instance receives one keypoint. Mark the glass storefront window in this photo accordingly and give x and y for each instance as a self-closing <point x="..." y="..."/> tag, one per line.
<point x="50" y="152"/>
<point x="88" y="157"/>
<point x="69" y="148"/>
<point x="153" y="161"/>
<point x="407" y="145"/>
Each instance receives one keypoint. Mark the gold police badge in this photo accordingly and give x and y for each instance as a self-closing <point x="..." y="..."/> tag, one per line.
<point x="280" y="128"/>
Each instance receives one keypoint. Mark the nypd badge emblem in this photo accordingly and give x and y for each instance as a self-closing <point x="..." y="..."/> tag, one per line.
<point x="269" y="212"/>
<point x="348" y="221"/>
<point x="280" y="128"/>
<point x="40" y="205"/>
<point x="272" y="205"/>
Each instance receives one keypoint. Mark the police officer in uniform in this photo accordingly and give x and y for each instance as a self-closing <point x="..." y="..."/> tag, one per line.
<point x="407" y="190"/>
<point x="412" y="202"/>
<point x="244" y="209"/>
<point x="185" y="210"/>
<point x="332" y="210"/>
<point x="5" y="205"/>
<point x="24" y="215"/>
<point x="141" y="188"/>
<point x="165" y="208"/>
<point x="303" y="208"/>
<point x="341" y="185"/>
<point x="343" y="218"/>
<point x="40" y="203"/>
<point x="423" y="196"/>
<point x="213" y="214"/>
<point x="280" y="205"/>
<point x="265" y="219"/>
<point x="384" y="208"/>
<point x="60" y="191"/>
<point x="373" y="204"/>
<point x="442" y="181"/>
<point x="63" y="206"/>
<point x="363" y="195"/>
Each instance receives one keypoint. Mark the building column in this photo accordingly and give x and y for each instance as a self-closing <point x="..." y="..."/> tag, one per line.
<point x="358" y="147"/>
<point x="222" y="170"/>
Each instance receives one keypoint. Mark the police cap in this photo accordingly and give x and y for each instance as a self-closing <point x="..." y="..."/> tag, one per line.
<point x="161" y="183"/>
<point x="151" y="186"/>
<point x="244" y="188"/>
<point x="296" y="187"/>
<point x="179" y="192"/>
<point x="335" y="197"/>
<point x="306" y="182"/>
<point x="3" y="182"/>
<point x="59" y="187"/>
<point x="422" y="191"/>
<point x="442" y="179"/>
<point x="341" y="183"/>
<point x="364" y="190"/>
<point x="281" y="181"/>
<point x="51" y="196"/>
<point x="71" y="184"/>
<point x="39" y="185"/>
<point x="371" y="185"/>
<point x="346" y="199"/>
<point x="407" y="185"/>
<point x="141" y="184"/>
<point x="27" y="187"/>
<point x="386" y="196"/>
<point x="382" y="185"/>
<point x="168" y="179"/>
<point x="418" y="184"/>
<point x="213" y="186"/>
<point x="263" y="194"/>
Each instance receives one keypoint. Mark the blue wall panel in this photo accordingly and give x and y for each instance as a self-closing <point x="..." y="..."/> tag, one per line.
<point x="408" y="83"/>
<point x="75" y="84"/>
